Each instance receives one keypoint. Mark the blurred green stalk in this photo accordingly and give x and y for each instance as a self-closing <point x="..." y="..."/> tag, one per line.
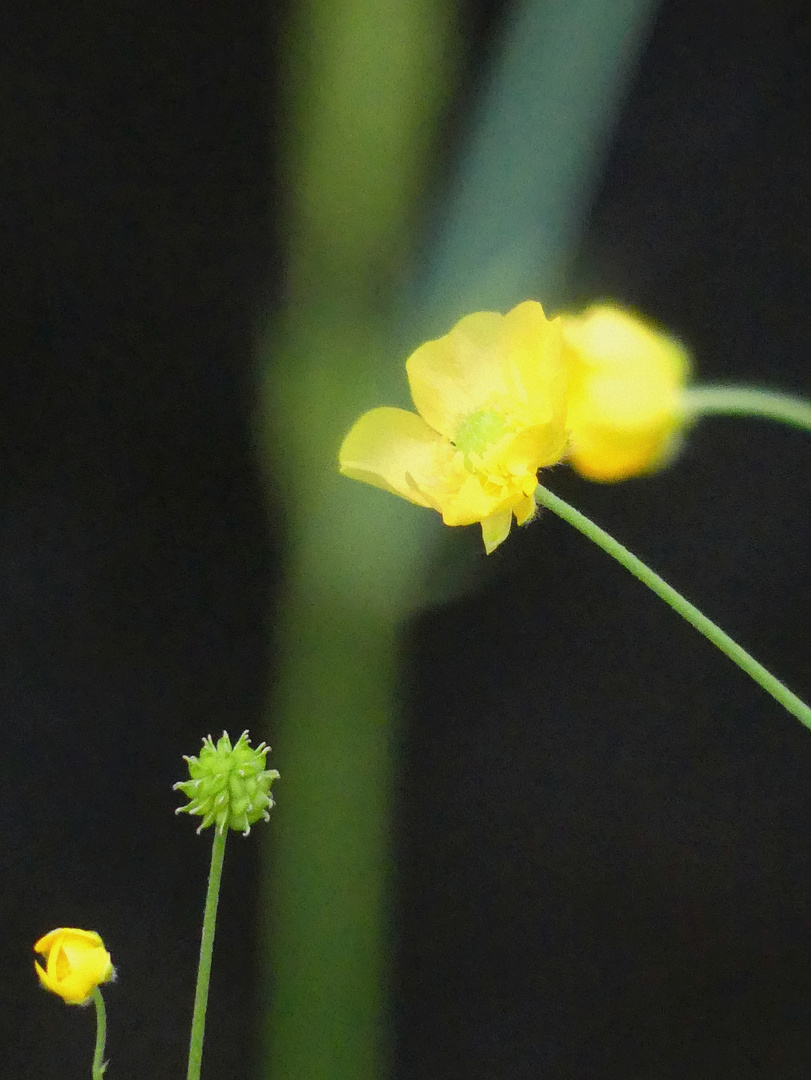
<point x="365" y="83"/>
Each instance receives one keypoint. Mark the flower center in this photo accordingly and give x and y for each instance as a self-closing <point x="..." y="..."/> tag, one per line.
<point x="479" y="431"/>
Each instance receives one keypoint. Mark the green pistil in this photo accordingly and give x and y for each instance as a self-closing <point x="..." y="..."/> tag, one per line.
<point x="479" y="431"/>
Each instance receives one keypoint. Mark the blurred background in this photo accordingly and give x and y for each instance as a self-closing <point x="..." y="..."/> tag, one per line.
<point x="592" y="844"/>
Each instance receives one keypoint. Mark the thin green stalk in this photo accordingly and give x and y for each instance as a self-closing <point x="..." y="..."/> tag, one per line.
<point x="698" y="401"/>
<point x="99" y="1064"/>
<point x="198" y="1024"/>
<point x="679" y="604"/>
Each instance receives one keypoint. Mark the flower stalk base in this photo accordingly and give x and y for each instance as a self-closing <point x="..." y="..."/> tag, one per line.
<point x="198" y="1027"/>
<point x="682" y="606"/>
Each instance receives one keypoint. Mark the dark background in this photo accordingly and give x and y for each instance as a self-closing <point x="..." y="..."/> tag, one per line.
<point x="604" y="831"/>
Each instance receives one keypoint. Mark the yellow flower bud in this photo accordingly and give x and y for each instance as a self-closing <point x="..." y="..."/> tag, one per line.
<point x="625" y="386"/>
<point x="76" y="962"/>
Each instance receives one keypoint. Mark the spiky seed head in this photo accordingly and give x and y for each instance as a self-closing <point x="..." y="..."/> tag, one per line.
<point x="229" y="786"/>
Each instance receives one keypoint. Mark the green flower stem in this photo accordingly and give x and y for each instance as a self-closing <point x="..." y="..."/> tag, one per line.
<point x="698" y="401"/>
<point x="679" y="604"/>
<point x="99" y="1064"/>
<point x="198" y="1024"/>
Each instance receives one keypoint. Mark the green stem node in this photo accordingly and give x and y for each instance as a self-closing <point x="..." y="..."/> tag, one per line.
<point x="198" y="1025"/>
<point x="679" y="604"/>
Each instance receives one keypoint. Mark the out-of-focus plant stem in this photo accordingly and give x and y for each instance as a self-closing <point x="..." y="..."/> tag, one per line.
<point x="746" y="401"/>
<point x="365" y="82"/>
<point x="525" y="183"/>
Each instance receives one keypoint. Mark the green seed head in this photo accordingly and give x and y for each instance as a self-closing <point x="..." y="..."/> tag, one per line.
<point x="229" y="785"/>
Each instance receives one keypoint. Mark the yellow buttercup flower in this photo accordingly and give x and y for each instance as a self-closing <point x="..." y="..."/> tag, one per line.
<point x="76" y="962"/>
<point x="491" y="398"/>
<point x="625" y="385"/>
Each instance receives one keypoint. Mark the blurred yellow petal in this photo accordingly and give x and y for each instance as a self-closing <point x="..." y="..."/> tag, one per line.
<point x="625" y="385"/>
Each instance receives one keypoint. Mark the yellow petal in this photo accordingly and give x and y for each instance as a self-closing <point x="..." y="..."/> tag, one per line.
<point x="476" y="500"/>
<point x="496" y="529"/>
<point x="90" y="937"/>
<point x="526" y="509"/>
<point x="455" y="375"/>
<point x="395" y="450"/>
<point x="511" y="364"/>
<point x="83" y="969"/>
<point x="44" y="979"/>
<point x="537" y="375"/>
<point x="533" y="448"/>
<point x="469" y="502"/>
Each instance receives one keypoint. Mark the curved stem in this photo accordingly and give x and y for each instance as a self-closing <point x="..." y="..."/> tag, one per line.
<point x="198" y="1025"/>
<point x="751" y="401"/>
<point x="99" y="1064"/>
<point x="679" y="604"/>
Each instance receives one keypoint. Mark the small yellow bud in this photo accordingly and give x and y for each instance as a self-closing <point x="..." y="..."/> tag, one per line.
<point x="76" y="962"/>
<point x="625" y="385"/>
